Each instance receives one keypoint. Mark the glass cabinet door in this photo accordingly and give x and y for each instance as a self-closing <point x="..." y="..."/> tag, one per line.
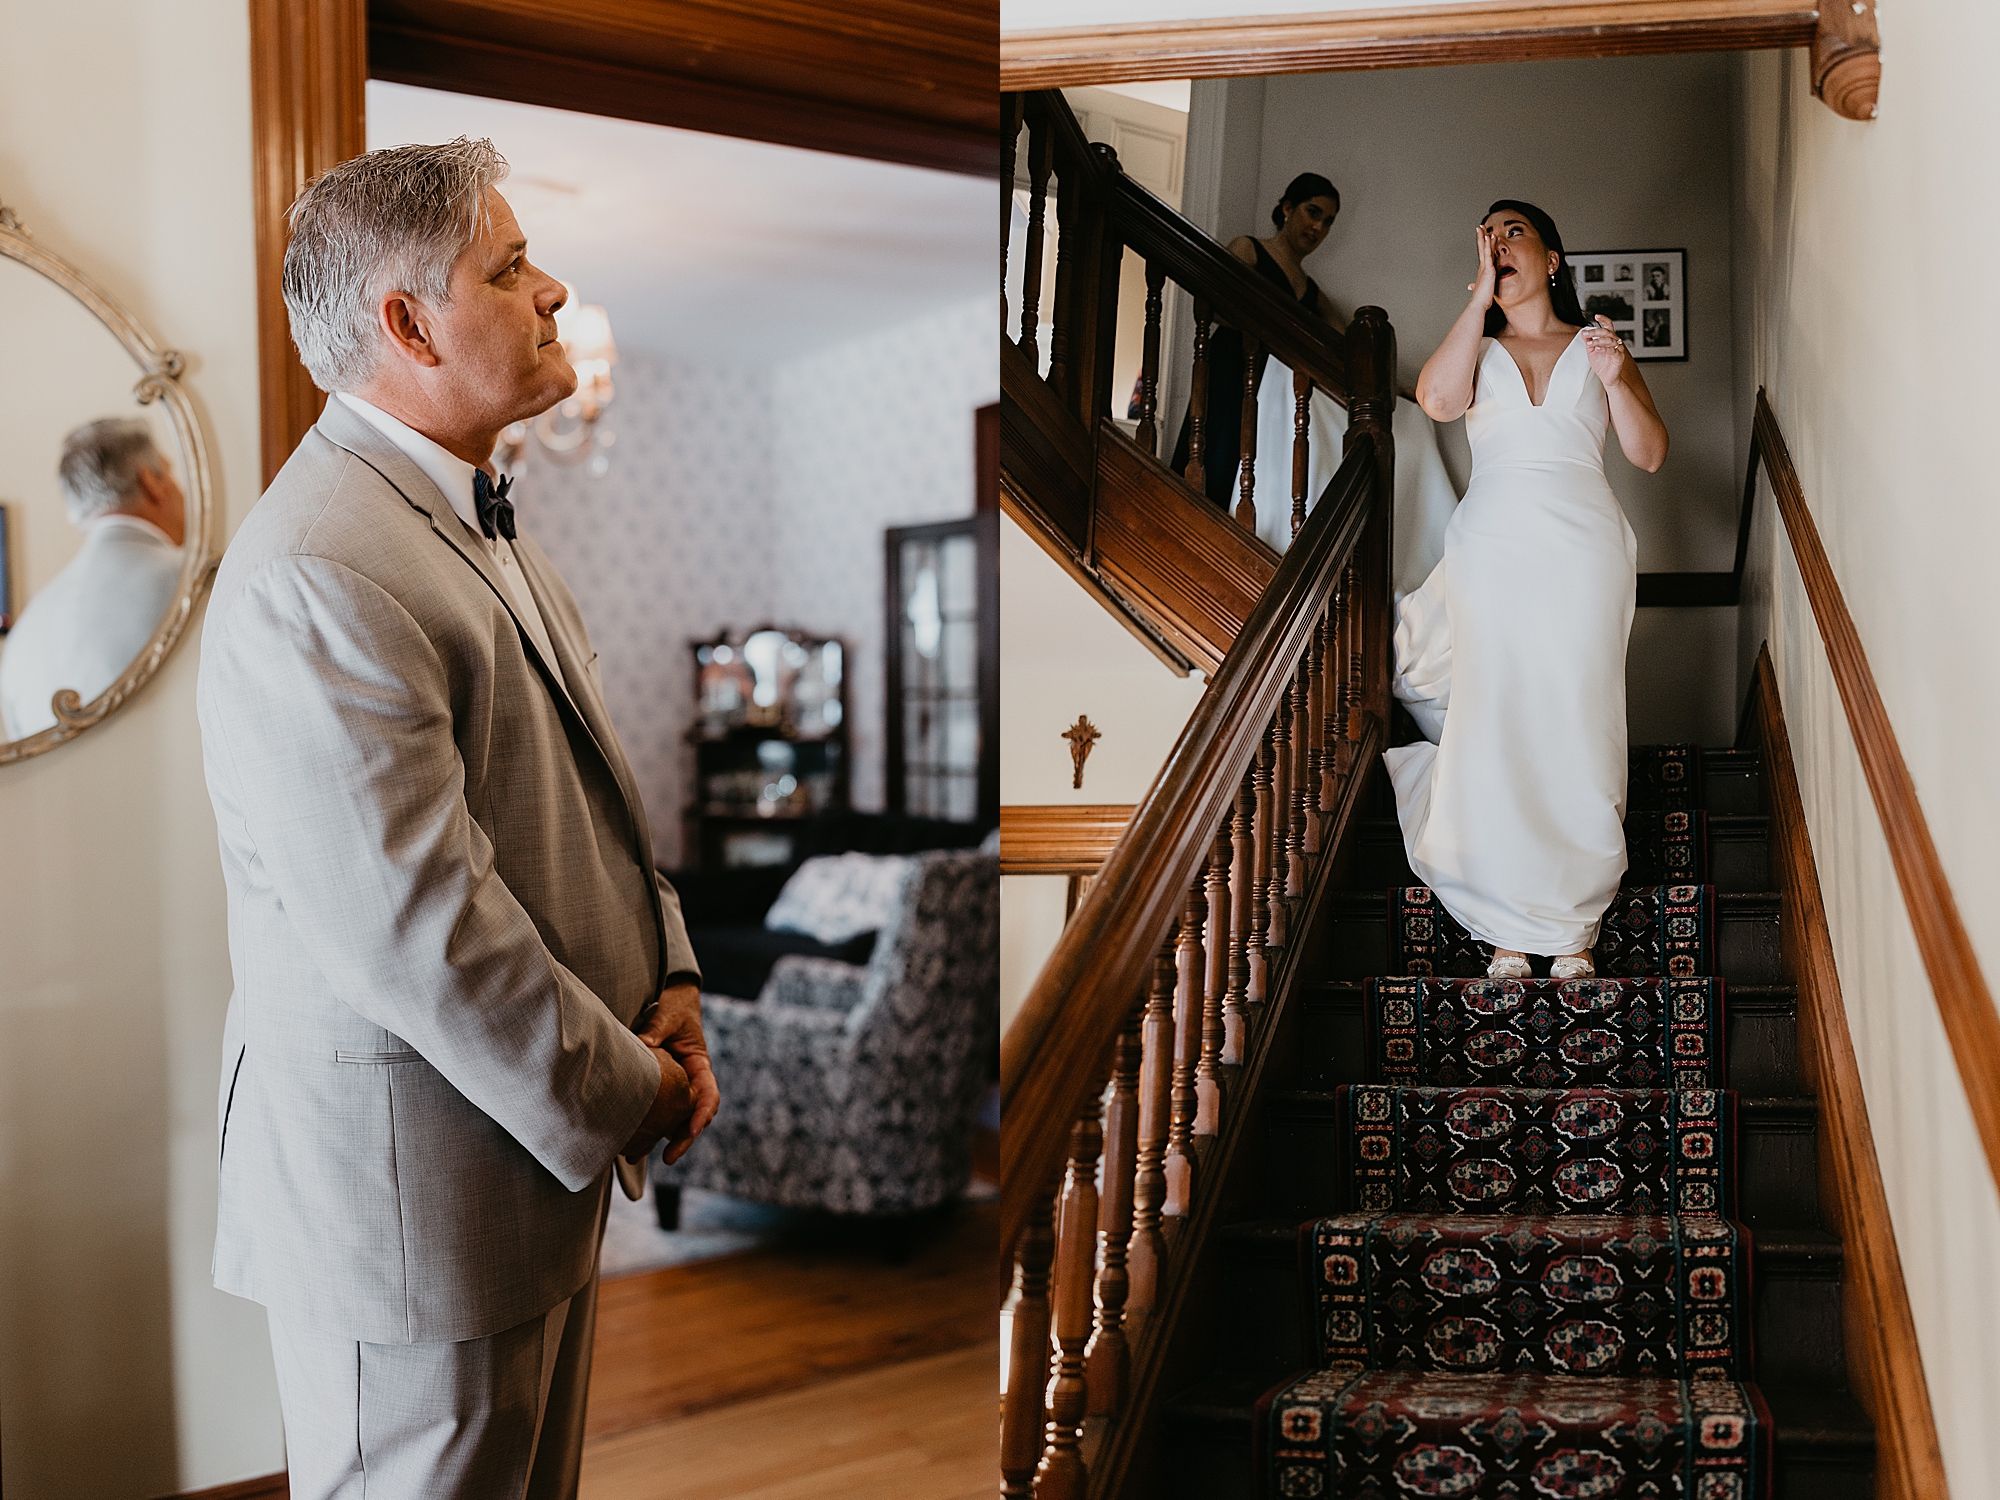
<point x="937" y="675"/>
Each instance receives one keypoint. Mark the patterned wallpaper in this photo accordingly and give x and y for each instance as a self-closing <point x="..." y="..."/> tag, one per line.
<point x="737" y="497"/>
<point x="875" y="433"/>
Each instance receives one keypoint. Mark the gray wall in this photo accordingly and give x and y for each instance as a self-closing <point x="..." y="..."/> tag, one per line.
<point x="1624" y="153"/>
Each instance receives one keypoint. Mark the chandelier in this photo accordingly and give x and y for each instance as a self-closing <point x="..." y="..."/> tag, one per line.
<point x="569" y="432"/>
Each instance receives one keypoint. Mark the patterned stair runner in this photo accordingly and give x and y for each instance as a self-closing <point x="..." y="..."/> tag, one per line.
<point x="1532" y="1286"/>
<point x="1666" y="930"/>
<point x="1579" y="1033"/>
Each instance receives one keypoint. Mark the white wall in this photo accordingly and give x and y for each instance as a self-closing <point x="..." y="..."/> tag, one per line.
<point x="743" y="497"/>
<point x="1862" y="246"/>
<point x="125" y="145"/>
<point x="1624" y="153"/>
<point x="1062" y="654"/>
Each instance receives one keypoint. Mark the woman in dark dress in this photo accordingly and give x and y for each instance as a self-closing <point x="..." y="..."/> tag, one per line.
<point x="1302" y="218"/>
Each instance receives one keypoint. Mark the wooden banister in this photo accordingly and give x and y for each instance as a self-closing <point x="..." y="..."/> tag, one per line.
<point x="1235" y="294"/>
<point x="1175" y="968"/>
<point x="1965" y="1003"/>
<point x="1056" y="1046"/>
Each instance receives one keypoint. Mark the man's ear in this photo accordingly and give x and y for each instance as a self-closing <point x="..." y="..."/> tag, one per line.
<point x="151" y="484"/>
<point x="405" y="326"/>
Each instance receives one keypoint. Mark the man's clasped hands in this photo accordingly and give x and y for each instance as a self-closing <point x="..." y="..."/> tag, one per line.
<point x="688" y="1097"/>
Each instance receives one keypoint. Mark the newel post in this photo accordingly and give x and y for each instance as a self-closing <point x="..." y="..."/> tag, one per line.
<point x="1371" y="418"/>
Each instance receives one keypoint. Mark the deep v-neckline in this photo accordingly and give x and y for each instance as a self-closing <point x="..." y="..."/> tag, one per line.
<point x="1522" y="375"/>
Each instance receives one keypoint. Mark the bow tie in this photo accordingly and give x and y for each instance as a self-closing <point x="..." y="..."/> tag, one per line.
<point x="496" y="511"/>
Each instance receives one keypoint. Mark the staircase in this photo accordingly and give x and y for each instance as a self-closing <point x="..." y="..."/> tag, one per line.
<point x="1248" y="1249"/>
<point x="1785" y="1337"/>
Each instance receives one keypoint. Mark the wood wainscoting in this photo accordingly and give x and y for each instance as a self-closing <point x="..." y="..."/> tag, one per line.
<point x="1053" y="839"/>
<point x="1885" y="1367"/>
<point x="1964" y="999"/>
<point x="264" y="1487"/>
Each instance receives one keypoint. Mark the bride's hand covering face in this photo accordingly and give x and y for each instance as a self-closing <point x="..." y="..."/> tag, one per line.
<point x="1484" y="279"/>
<point x="1521" y="263"/>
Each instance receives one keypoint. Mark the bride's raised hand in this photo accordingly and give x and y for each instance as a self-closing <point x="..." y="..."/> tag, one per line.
<point x="1606" y="351"/>
<point x="1482" y="285"/>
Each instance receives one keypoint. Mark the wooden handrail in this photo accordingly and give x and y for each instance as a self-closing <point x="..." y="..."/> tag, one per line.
<point x="1964" y="1001"/>
<point x="1238" y="294"/>
<point x="1060" y="838"/>
<point x="1053" y="1052"/>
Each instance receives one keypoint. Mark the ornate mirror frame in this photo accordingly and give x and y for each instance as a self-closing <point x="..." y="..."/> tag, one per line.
<point x="159" y="380"/>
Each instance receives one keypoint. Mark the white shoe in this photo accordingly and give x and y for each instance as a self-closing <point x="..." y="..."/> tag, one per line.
<point x="1573" y="966"/>
<point x="1509" y="966"/>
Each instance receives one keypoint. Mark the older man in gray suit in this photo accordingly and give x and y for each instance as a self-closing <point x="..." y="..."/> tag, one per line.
<point x="443" y="913"/>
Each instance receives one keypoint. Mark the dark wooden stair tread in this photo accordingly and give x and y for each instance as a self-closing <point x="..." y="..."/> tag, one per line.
<point x="1787" y="1245"/>
<point x="1825" y="1441"/>
<point x="1811" y="1421"/>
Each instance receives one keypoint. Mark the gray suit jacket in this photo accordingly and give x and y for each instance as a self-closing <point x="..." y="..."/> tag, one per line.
<point x="443" y="913"/>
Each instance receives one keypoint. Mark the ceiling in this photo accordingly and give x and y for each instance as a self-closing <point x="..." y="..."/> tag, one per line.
<point x="706" y="249"/>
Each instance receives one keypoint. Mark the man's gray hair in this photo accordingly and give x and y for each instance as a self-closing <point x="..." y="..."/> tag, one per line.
<point x="100" y="466"/>
<point x="391" y="220"/>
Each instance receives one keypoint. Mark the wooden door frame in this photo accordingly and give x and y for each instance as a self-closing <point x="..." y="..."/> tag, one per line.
<point x="907" y="81"/>
<point x="1846" y="61"/>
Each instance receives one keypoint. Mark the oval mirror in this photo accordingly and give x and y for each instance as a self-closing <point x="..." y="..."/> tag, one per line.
<point x="106" y="515"/>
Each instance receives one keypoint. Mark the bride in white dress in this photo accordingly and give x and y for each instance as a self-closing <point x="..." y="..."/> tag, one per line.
<point x="1511" y="657"/>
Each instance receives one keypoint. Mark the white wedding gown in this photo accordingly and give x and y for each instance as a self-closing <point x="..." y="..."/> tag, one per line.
<point x="1511" y="657"/>
<point x="1425" y="498"/>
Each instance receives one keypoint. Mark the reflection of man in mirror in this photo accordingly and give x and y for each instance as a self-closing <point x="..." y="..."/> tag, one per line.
<point x="84" y="629"/>
<point x="462" y="990"/>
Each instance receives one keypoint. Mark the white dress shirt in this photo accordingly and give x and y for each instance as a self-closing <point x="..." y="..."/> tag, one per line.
<point x="453" y="477"/>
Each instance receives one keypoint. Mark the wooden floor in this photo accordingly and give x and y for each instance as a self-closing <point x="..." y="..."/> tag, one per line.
<point x="806" y="1371"/>
<point x="918" y="1430"/>
<point x="691" y="1338"/>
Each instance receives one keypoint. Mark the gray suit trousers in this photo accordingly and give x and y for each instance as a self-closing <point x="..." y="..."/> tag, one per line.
<point x="490" y="1418"/>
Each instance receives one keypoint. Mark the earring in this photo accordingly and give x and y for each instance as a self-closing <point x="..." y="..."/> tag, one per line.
<point x="1552" y="280"/>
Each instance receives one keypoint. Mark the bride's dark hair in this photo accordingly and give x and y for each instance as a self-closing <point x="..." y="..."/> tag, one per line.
<point x="1562" y="289"/>
<point x="1305" y="185"/>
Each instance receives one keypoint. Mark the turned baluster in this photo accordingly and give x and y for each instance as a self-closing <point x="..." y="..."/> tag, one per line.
<point x="1330" y="762"/>
<point x="1010" y="133"/>
<point x="1242" y="875"/>
<point x="1246" y="504"/>
<point x="1352" y="624"/>
<point x="1280" y="885"/>
<point x="1145" y="1256"/>
<point x="1316" y="719"/>
<point x="1041" y="156"/>
<point x="1302" y="390"/>
<point x="1196" y="473"/>
<point x="1190" y="982"/>
<point x="1208" y="1080"/>
<point x="1061" y="1476"/>
<point x="1069" y="195"/>
<point x="1301" y="842"/>
<point x="1148" y="436"/>
<point x="1343" y="632"/>
<point x="1107" y="1361"/>
<point x="1261" y="779"/>
<point x="1022" y="1409"/>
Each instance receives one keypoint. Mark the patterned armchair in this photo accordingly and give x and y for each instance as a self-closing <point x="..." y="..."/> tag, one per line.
<point x="852" y="1088"/>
